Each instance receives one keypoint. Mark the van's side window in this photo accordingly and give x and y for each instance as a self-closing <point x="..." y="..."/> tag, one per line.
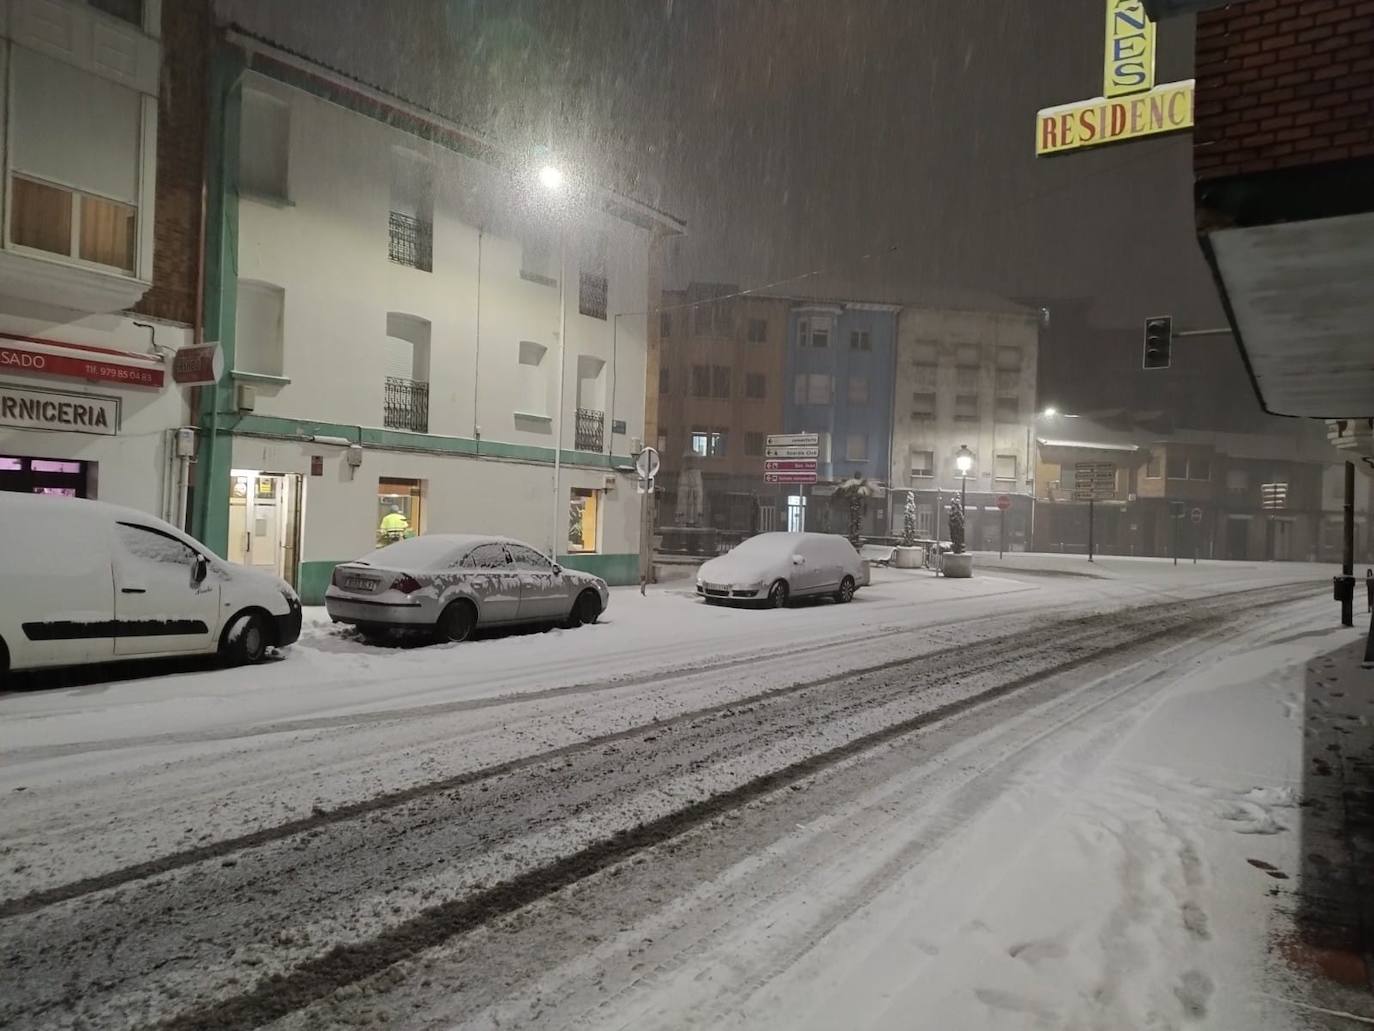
<point x="151" y="546"/>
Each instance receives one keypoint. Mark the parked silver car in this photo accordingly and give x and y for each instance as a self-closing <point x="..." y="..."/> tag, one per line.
<point x="453" y="583"/>
<point x="774" y="568"/>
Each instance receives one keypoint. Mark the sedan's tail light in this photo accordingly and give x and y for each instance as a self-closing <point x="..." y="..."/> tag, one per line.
<point x="405" y="584"/>
<point x="338" y="578"/>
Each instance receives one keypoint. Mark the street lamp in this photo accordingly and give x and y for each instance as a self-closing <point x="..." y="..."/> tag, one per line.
<point x="963" y="461"/>
<point x="551" y="178"/>
<point x="1051" y="412"/>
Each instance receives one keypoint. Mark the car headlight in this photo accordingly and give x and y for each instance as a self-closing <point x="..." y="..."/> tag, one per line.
<point x="292" y="600"/>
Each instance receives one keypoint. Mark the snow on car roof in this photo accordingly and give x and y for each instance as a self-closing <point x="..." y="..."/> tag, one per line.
<point x="430" y="547"/>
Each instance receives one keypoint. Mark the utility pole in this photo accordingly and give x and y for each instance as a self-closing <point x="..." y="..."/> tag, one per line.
<point x="1348" y="550"/>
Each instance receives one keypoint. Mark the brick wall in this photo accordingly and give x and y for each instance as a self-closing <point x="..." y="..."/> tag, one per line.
<point x="182" y="112"/>
<point x="1283" y="83"/>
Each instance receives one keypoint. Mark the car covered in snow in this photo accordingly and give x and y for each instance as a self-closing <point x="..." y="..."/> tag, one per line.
<point x="775" y="568"/>
<point x="450" y="584"/>
<point x="85" y="581"/>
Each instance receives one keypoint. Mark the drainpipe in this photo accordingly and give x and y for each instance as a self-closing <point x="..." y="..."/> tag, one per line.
<point x="477" y="351"/>
<point x="562" y="360"/>
<point x="610" y="430"/>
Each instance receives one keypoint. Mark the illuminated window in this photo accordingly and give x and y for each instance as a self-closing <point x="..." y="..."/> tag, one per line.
<point x="583" y="510"/>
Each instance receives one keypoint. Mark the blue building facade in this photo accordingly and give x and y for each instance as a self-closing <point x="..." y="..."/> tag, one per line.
<point x="839" y="374"/>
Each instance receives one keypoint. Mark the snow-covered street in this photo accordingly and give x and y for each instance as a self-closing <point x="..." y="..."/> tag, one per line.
<point x="1055" y="795"/>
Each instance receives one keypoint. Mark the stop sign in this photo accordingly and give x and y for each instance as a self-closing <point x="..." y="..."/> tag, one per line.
<point x="1003" y="502"/>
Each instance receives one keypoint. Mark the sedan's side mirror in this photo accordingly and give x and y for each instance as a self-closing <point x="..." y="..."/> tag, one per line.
<point x="797" y="560"/>
<point x="557" y="569"/>
<point x="201" y="571"/>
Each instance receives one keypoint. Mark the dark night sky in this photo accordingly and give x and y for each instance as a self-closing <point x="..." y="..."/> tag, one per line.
<point x="796" y="135"/>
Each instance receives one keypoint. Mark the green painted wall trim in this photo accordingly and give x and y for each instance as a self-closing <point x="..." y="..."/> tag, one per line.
<point x="313" y="581"/>
<point x="616" y="570"/>
<point x="210" y="514"/>
<point x="280" y="428"/>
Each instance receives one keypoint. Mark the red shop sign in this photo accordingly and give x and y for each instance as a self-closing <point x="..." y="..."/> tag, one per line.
<point x="22" y="359"/>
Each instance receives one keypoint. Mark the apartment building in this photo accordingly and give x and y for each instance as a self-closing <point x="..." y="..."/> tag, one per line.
<point x="965" y="379"/>
<point x="720" y="393"/>
<point x="102" y="150"/>
<point x="1238" y="496"/>
<point x="386" y="287"/>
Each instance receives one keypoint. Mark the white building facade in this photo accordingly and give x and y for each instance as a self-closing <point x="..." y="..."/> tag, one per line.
<point x="966" y="379"/>
<point x="385" y="287"/>
<point x="87" y="406"/>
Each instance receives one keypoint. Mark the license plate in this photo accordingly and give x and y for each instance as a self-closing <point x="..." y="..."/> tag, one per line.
<point x="357" y="583"/>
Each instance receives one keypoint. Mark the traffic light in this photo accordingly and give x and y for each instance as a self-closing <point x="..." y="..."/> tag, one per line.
<point x="1159" y="339"/>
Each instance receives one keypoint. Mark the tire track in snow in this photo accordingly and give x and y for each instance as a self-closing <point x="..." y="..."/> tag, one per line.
<point x="346" y="964"/>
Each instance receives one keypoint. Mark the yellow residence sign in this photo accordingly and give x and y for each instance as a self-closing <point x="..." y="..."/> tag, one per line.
<point x="1130" y="58"/>
<point x="1131" y="105"/>
<point x="1090" y="123"/>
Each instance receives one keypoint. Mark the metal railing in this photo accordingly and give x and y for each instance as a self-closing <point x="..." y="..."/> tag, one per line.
<point x="405" y="405"/>
<point x="591" y="430"/>
<point x="412" y="242"/>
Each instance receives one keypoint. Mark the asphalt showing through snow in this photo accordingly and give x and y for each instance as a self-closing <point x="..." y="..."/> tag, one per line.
<point x="212" y="937"/>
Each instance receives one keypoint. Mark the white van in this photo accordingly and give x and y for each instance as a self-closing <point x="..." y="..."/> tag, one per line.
<point x="84" y="581"/>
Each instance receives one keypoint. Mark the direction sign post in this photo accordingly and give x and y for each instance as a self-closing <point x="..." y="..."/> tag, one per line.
<point x="647" y="464"/>
<point x="1093" y="481"/>
<point x="791" y="458"/>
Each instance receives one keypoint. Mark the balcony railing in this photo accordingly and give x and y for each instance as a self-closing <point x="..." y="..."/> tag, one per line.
<point x="406" y="405"/>
<point x="412" y="242"/>
<point x="591" y="430"/>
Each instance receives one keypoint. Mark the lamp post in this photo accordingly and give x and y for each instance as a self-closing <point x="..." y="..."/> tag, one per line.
<point x="963" y="461"/>
<point x="551" y="178"/>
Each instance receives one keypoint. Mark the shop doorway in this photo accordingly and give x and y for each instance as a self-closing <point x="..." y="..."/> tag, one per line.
<point x="265" y="522"/>
<point x="58" y="476"/>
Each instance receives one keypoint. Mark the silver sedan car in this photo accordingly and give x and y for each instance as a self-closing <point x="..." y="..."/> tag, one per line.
<point x="451" y="584"/>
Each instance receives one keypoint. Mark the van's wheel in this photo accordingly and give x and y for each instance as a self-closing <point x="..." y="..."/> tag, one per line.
<point x="246" y="639"/>
<point x="585" y="611"/>
<point x="846" y="592"/>
<point x="777" y="595"/>
<point x="457" y="622"/>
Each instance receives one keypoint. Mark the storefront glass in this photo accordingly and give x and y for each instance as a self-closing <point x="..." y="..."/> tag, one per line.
<point x="400" y="510"/>
<point x="582" y="520"/>
<point x="44" y="476"/>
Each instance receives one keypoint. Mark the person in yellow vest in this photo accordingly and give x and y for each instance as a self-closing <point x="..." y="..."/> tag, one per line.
<point x="394" y="526"/>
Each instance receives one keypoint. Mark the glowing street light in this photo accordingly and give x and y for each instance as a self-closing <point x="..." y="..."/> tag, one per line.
<point x="963" y="461"/>
<point x="1051" y="412"/>
<point x="550" y="177"/>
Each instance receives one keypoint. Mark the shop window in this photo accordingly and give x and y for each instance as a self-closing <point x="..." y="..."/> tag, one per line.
<point x="259" y="326"/>
<point x="54" y="476"/>
<point x="583" y="512"/>
<point x="264" y="146"/>
<point x="400" y="509"/>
